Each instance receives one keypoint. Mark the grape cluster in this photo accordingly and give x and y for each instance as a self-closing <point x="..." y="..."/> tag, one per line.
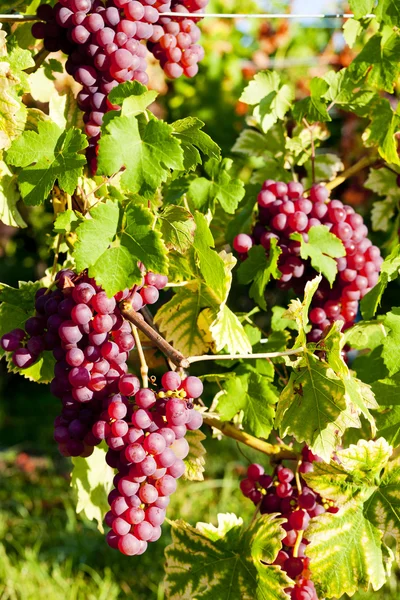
<point x="90" y="342"/>
<point x="284" y="209"/>
<point x="145" y="431"/>
<point x="280" y="494"/>
<point x="103" y="44"/>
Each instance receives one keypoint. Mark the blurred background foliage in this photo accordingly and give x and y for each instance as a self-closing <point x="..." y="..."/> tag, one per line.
<point x="46" y="550"/>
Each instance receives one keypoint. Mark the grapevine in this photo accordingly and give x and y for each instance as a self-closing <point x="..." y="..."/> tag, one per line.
<point x="199" y="244"/>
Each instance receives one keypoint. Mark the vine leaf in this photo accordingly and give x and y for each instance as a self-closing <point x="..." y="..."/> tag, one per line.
<point x="387" y="393"/>
<point x="116" y="268"/>
<point x="271" y="99"/>
<point x="346" y="548"/>
<point x="134" y="96"/>
<point x="225" y="562"/>
<point x="178" y="319"/>
<point x="383" y="183"/>
<point x="361" y="8"/>
<point x="96" y="234"/>
<point x="322" y="248"/>
<point x="219" y="187"/>
<point x="147" y="150"/>
<point x="193" y="139"/>
<point x="16" y="306"/>
<point x="253" y="394"/>
<point x="92" y="481"/>
<point x="9" y="196"/>
<point x="46" y="157"/>
<point x="311" y="405"/>
<point x="379" y="60"/>
<point x="382" y="130"/>
<point x="177" y="228"/>
<point x="391" y="341"/>
<point x="313" y="108"/>
<point x="388" y="11"/>
<point x="195" y="460"/>
<point x="13" y="84"/>
<point x="346" y="552"/>
<point x="258" y="269"/>
<point x="390" y="269"/>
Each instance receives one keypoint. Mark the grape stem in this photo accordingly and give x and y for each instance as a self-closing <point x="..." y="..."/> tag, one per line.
<point x="293" y="351"/>
<point x="364" y="162"/>
<point x="297" y="544"/>
<point x="39" y="59"/>
<point x="144" y="369"/>
<point x="138" y="320"/>
<point x="279" y="451"/>
<point x="306" y="123"/>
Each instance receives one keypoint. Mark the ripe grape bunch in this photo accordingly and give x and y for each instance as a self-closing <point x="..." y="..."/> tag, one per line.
<point x="103" y="44"/>
<point x="284" y="209"/>
<point x="145" y="430"/>
<point x="296" y="503"/>
<point x="90" y="342"/>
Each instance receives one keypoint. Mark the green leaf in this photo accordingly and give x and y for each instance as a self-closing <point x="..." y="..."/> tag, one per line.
<point x="389" y="272"/>
<point x="365" y="334"/>
<point x="388" y="11"/>
<point x="383" y="182"/>
<point x="351" y="31"/>
<point x="64" y="221"/>
<point x="278" y="321"/>
<point x="258" y="269"/>
<point x="9" y="196"/>
<point x="343" y="92"/>
<point x="134" y="96"/>
<point x="251" y="143"/>
<point x="390" y="352"/>
<point x="147" y="150"/>
<point x="383" y="508"/>
<point x="313" y="108"/>
<point x="92" y="481"/>
<point x="192" y="139"/>
<point x="228" y="332"/>
<point x="116" y="270"/>
<point x="363" y="482"/>
<point x="177" y="228"/>
<point x="212" y="266"/>
<point x="273" y="99"/>
<point x="298" y="311"/>
<point x="42" y="371"/>
<point x="322" y="248"/>
<point x="143" y="242"/>
<point x="96" y="234"/>
<point x="255" y="396"/>
<point x="387" y="393"/>
<point x="326" y="167"/>
<point x="311" y="405"/>
<point x="220" y="187"/>
<point x="345" y="552"/>
<point x="16" y="306"/>
<point x="195" y="460"/>
<point x="381" y="132"/>
<point x="227" y="562"/>
<point x="46" y="157"/>
<point x="178" y="319"/>
<point x="379" y="61"/>
<point x="361" y="8"/>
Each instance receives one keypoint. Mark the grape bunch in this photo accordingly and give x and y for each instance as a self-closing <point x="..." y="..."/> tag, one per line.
<point x="103" y="44"/>
<point x="280" y="494"/>
<point x="145" y="432"/>
<point x="284" y="209"/>
<point x="90" y="342"/>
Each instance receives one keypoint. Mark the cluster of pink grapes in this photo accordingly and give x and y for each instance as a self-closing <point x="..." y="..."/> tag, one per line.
<point x="283" y="210"/>
<point x="103" y="43"/>
<point x="145" y="431"/>
<point x="90" y="342"/>
<point x="297" y="504"/>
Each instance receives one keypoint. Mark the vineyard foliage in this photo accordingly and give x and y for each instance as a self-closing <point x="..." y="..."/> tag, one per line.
<point x="168" y="200"/>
